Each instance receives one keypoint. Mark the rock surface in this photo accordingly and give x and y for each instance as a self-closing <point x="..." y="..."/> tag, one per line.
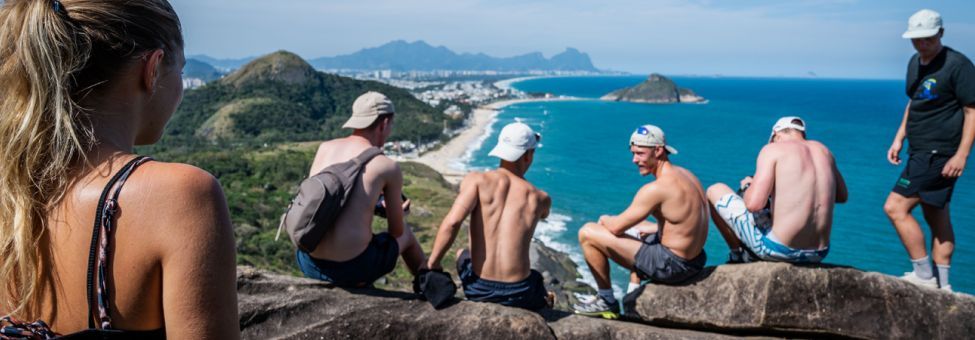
<point x="815" y="301"/>
<point x="560" y="273"/>
<point x="283" y="307"/>
<point x="657" y="89"/>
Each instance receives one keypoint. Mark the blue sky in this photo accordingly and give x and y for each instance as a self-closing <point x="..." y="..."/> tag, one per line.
<point x="831" y="38"/>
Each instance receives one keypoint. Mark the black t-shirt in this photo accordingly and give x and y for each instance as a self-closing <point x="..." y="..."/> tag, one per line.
<point x="939" y="91"/>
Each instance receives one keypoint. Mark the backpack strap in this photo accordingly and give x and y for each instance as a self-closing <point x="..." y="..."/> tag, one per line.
<point x="366" y="156"/>
<point x="100" y="237"/>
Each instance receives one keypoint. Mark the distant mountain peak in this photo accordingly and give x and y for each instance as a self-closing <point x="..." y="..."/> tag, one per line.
<point x="401" y="55"/>
<point x="280" y="66"/>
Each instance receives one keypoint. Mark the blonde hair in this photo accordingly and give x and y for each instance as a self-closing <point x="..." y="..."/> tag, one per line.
<point x="53" y="54"/>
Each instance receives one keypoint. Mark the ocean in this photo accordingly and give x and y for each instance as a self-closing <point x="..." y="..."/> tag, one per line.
<point x="584" y="161"/>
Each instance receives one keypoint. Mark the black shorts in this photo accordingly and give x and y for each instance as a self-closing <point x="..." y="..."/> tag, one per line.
<point x="658" y="264"/>
<point x="922" y="178"/>
<point x="376" y="261"/>
<point x="529" y="293"/>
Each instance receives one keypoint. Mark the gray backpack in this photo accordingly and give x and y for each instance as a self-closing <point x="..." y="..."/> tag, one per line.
<point x="320" y="199"/>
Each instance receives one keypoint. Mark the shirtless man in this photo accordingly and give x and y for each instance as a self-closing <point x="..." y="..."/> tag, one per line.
<point x="504" y="210"/>
<point x="673" y="250"/>
<point x="801" y="177"/>
<point x="350" y="255"/>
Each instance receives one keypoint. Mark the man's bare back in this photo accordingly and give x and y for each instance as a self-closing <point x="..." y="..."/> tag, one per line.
<point x="804" y="179"/>
<point x="353" y="228"/>
<point x="502" y="224"/>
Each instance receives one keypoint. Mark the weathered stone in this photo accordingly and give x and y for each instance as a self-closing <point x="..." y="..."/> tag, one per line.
<point x="560" y="273"/>
<point x="569" y="326"/>
<point x="276" y="306"/>
<point x="284" y="307"/>
<point x="814" y="300"/>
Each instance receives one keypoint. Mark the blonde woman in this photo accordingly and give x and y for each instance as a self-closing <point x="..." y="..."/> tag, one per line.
<point x="94" y="238"/>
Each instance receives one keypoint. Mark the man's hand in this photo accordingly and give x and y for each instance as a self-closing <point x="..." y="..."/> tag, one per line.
<point x="954" y="167"/>
<point x="893" y="154"/>
<point x="604" y="219"/>
<point x="406" y="206"/>
<point x="745" y="183"/>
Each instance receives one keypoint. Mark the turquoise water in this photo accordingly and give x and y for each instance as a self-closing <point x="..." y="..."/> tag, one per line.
<point x="584" y="161"/>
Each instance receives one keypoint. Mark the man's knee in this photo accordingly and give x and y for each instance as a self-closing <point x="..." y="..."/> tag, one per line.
<point x="587" y="232"/>
<point x="895" y="209"/>
<point x="718" y="190"/>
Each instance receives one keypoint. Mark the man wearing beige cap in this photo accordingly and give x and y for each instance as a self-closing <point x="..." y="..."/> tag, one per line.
<point x="802" y="180"/>
<point x="504" y="210"/>
<point x="673" y="250"/>
<point x="939" y="123"/>
<point x="350" y="254"/>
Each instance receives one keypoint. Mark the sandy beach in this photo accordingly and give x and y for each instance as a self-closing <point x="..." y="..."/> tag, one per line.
<point x="448" y="157"/>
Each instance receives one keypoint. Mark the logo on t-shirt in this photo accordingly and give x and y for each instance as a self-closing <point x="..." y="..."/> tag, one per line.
<point x="927" y="86"/>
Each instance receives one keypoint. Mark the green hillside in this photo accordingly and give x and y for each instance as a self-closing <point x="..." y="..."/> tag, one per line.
<point x="280" y="98"/>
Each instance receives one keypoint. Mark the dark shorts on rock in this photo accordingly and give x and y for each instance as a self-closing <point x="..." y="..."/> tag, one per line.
<point x="529" y="293"/>
<point x="922" y="178"/>
<point x="377" y="260"/>
<point x="658" y="264"/>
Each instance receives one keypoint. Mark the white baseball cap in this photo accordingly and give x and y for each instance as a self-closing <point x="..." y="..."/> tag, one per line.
<point x="650" y="136"/>
<point x="515" y="139"/>
<point x="923" y="24"/>
<point x="787" y="123"/>
<point x="367" y="108"/>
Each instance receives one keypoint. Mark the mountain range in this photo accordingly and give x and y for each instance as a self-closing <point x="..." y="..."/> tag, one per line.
<point x="401" y="55"/>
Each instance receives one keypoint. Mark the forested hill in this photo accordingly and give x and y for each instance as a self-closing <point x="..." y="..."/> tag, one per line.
<point x="280" y="97"/>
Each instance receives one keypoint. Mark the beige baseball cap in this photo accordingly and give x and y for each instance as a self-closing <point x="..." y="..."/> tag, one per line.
<point x="787" y="123"/>
<point x="515" y="139"/>
<point x="367" y="108"/>
<point x="923" y="24"/>
<point x="651" y="136"/>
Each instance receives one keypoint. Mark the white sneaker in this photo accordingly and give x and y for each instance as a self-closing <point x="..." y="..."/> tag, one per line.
<point x="912" y="278"/>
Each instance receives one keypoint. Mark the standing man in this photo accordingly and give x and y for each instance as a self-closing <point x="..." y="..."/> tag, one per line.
<point x="349" y="254"/>
<point x="504" y="210"/>
<point x="939" y="123"/>
<point x="804" y="183"/>
<point x="673" y="250"/>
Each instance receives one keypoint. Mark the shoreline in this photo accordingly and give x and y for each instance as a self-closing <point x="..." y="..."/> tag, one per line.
<point x="449" y="159"/>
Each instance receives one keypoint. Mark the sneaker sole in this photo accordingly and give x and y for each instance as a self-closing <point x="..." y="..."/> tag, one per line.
<point x="605" y="315"/>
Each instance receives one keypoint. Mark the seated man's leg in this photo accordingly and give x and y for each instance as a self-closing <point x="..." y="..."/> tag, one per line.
<point x="409" y="249"/>
<point x="598" y="247"/>
<point x="715" y="193"/>
<point x="640" y="231"/>
<point x="736" y="224"/>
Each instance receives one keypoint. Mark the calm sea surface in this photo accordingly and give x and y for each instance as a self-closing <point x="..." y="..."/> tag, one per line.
<point x="584" y="161"/>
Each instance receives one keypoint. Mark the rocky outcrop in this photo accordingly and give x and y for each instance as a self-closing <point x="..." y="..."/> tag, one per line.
<point x="283" y="307"/>
<point x="560" y="273"/>
<point x="817" y="301"/>
<point x="657" y="89"/>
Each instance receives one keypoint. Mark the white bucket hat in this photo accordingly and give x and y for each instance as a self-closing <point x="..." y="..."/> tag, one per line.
<point x="515" y="139"/>
<point x="923" y="24"/>
<point x="651" y="136"/>
<point x="787" y="123"/>
<point x="367" y="108"/>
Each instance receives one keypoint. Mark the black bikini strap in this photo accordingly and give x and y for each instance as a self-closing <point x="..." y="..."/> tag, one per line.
<point x="104" y="215"/>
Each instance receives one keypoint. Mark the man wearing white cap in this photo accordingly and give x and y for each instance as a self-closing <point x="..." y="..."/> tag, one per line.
<point x="673" y="250"/>
<point x="804" y="184"/>
<point x="504" y="209"/>
<point x="939" y="123"/>
<point x="350" y="254"/>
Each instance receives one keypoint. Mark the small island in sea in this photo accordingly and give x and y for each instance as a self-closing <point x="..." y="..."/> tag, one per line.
<point x="657" y="89"/>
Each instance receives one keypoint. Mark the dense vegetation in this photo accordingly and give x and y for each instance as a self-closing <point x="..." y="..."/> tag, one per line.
<point x="257" y="131"/>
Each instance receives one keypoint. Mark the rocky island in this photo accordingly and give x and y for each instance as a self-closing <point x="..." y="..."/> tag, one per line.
<point x="657" y="89"/>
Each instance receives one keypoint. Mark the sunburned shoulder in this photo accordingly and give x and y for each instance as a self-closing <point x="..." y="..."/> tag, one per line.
<point x="177" y="179"/>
